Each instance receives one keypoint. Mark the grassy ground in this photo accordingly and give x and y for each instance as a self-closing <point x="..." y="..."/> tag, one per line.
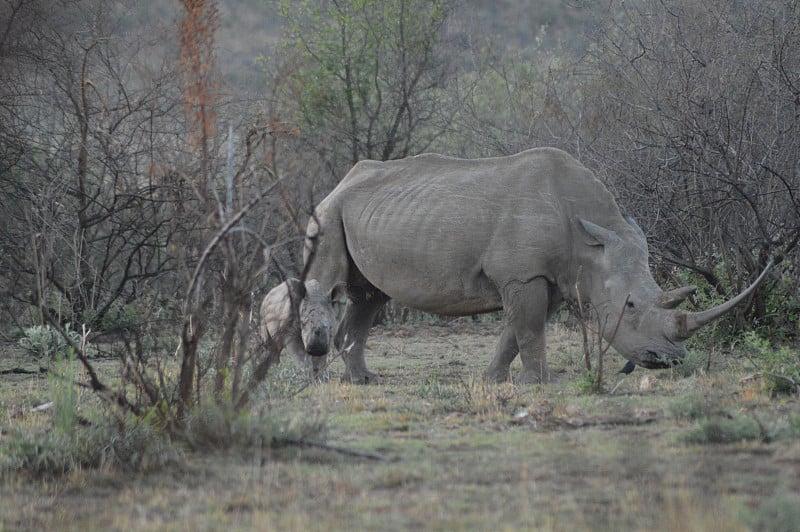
<point x="433" y="447"/>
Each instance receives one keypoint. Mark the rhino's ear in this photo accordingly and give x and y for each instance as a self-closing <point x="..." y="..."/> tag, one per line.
<point x="632" y="223"/>
<point x="598" y="236"/>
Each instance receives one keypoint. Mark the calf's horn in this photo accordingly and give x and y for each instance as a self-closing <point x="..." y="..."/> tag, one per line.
<point x="687" y="323"/>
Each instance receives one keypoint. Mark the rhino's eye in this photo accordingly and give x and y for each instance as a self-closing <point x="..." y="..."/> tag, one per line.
<point x="630" y="305"/>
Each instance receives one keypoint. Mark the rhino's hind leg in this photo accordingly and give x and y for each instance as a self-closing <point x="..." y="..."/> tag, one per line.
<point x="351" y="336"/>
<point x="526" y="308"/>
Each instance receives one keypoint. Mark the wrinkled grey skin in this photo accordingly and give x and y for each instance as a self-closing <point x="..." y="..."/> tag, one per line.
<point x="520" y="233"/>
<point x="299" y="318"/>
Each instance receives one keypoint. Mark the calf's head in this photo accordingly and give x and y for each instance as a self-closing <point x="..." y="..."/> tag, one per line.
<point x="639" y="319"/>
<point x="316" y="315"/>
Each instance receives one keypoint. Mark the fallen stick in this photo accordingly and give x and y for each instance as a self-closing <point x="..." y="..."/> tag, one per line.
<point x="341" y="450"/>
<point x="23" y="371"/>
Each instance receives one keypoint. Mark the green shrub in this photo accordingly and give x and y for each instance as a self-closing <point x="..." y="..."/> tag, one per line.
<point x="693" y="406"/>
<point x="793" y="429"/>
<point x="433" y="389"/>
<point x="130" y="316"/>
<point x="75" y="442"/>
<point x="43" y="453"/>
<point x="43" y="342"/>
<point x="782" y="319"/>
<point x="694" y="360"/>
<point x="64" y="395"/>
<point x="134" y="446"/>
<point x="720" y="429"/>
<point x="785" y="427"/>
<point x="781" y="371"/>
<point x="589" y="383"/>
<point x="779" y="512"/>
<point x="780" y="366"/>
<point x="219" y="426"/>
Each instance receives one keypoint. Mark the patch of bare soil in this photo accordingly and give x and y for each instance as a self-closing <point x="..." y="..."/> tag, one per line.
<point x="458" y="349"/>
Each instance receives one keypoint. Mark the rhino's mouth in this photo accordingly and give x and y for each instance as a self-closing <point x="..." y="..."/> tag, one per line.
<point x="317" y="349"/>
<point x="653" y="360"/>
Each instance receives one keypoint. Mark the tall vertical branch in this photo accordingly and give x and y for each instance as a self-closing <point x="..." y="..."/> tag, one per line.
<point x="198" y="71"/>
<point x="584" y="312"/>
<point x="199" y="76"/>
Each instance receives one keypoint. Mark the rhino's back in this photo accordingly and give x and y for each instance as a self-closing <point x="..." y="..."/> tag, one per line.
<point x="442" y="234"/>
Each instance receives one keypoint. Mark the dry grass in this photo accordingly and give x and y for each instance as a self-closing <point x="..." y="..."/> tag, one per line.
<point x="458" y="454"/>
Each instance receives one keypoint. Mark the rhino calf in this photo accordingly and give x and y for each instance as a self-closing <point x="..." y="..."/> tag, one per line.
<point x="299" y="318"/>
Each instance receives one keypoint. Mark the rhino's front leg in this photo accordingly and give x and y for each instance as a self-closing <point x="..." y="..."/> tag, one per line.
<point x="504" y="354"/>
<point x="351" y="335"/>
<point x="526" y="308"/>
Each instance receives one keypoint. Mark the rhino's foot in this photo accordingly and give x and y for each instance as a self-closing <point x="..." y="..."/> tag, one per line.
<point x="534" y="377"/>
<point x="361" y="377"/>
<point x="496" y="375"/>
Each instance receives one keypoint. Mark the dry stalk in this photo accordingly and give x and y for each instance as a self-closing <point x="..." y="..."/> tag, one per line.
<point x="601" y="327"/>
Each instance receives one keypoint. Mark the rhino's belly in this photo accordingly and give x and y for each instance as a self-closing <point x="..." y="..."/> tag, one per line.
<point x="448" y="302"/>
<point x="430" y="274"/>
<point x="423" y="291"/>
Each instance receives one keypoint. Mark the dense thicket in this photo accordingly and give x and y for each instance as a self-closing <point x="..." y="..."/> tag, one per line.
<point x="695" y="122"/>
<point x="689" y="112"/>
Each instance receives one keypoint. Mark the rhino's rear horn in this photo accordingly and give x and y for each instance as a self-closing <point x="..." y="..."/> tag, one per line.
<point x="673" y="298"/>
<point x="688" y="323"/>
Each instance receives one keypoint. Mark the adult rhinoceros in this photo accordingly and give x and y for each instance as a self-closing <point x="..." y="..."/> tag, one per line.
<point x="521" y="233"/>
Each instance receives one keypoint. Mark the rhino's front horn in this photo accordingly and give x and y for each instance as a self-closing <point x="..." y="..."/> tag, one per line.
<point x="688" y="323"/>
<point x="673" y="298"/>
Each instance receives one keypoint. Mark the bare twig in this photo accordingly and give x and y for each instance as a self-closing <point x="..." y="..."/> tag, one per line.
<point x="578" y="305"/>
<point x="225" y="229"/>
<point x="23" y="371"/>
<point x="582" y="321"/>
<point x="94" y="381"/>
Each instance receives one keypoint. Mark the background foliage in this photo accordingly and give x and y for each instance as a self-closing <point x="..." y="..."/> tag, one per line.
<point x="160" y="159"/>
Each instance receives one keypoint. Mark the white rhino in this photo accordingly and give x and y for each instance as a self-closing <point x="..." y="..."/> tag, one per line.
<point x="299" y="318"/>
<point x="518" y="233"/>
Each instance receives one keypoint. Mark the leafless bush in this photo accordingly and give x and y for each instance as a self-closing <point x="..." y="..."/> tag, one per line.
<point x="689" y="113"/>
<point x="696" y="121"/>
<point x="87" y="120"/>
<point x="135" y="208"/>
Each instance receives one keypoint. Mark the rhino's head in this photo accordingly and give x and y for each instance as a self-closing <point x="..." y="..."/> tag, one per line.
<point x="317" y="318"/>
<point x="618" y="282"/>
